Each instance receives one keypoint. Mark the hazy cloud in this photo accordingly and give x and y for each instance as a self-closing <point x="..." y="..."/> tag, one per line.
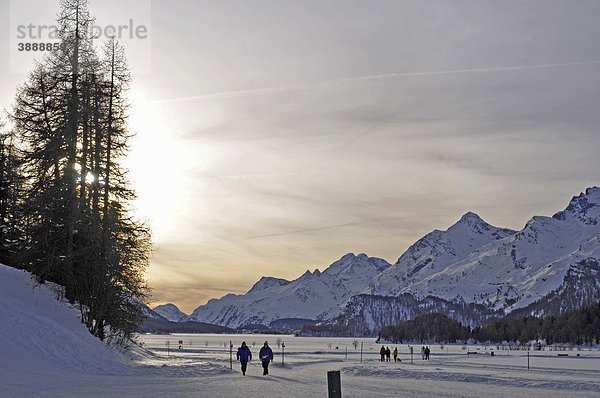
<point x="274" y="137"/>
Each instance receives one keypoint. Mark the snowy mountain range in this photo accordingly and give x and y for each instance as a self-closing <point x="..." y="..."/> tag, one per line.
<point x="551" y="265"/>
<point x="315" y="295"/>
<point x="475" y="262"/>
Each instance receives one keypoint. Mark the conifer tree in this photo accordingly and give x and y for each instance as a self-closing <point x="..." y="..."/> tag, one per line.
<point x="10" y="206"/>
<point x="71" y="120"/>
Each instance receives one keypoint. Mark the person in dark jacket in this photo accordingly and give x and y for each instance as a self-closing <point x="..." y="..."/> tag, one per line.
<point x="244" y="356"/>
<point x="427" y="352"/>
<point x="382" y="353"/>
<point x="266" y="356"/>
<point x="387" y="354"/>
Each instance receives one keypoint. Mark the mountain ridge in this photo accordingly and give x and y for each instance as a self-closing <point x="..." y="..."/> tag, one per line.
<point x="470" y="263"/>
<point x="313" y="295"/>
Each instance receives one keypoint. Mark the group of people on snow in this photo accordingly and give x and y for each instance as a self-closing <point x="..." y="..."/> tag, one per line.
<point x="385" y="354"/>
<point x="244" y="355"/>
<point x="425" y="351"/>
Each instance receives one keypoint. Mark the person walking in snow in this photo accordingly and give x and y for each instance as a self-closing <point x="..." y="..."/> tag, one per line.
<point x="387" y="354"/>
<point x="395" y="354"/>
<point x="266" y="356"/>
<point x="382" y="353"/>
<point x="244" y="356"/>
<point x="423" y="352"/>
<point x="427" y="351"/>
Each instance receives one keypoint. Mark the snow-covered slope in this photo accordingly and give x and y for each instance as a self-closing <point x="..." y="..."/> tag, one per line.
<point x="170" y="312"/>
<point x="39" y="333"/>
<point x="314" y="295"/>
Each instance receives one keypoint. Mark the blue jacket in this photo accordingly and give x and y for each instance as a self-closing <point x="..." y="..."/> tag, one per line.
<point x="266" y="354"/>
<point x="244" y="354"/>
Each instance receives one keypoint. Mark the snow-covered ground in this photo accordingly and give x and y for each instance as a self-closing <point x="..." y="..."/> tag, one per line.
<point x="451" y="371"/>
<point x="46" y="352"/>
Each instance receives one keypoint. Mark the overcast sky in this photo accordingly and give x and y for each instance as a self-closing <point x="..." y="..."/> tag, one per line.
<point x="276" y="136"/>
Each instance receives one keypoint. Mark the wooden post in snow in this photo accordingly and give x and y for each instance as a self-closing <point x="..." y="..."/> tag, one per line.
<point x="361" y="351"/>
<point x="230" y="355"/>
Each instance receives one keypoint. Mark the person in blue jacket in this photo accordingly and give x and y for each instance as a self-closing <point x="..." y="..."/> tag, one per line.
<point x="266" y="356"/>
<point x="244" y="356"/>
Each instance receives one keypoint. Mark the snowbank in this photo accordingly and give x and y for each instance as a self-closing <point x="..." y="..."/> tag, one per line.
<point x="39" y="334"/>
<point x="46" y="351"/>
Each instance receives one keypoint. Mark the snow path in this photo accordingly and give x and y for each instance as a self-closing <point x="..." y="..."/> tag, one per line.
<point x="292" y="383"/>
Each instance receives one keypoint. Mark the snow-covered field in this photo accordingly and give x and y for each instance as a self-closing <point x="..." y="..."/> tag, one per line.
<point x="46" y="352"/>
<point x="451" y="371"/>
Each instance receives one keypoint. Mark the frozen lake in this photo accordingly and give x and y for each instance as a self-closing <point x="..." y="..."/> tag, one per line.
<point x="451" y="371"/>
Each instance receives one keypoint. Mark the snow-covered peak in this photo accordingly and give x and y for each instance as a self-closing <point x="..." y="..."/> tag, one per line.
<point x="468" y="233"/>
<point x="471" y="219"/>
<point x="356" y="263"/>
<point x="537" y="222"/>
<point x="583" y="208"/>
<point x="350" y="256"/>
<point x="435" y="251"/>
<point x="306" y="275"/>
<point x="471" y="224"/>
<point x="266" y="282"/>
<point x="170" y="311"/>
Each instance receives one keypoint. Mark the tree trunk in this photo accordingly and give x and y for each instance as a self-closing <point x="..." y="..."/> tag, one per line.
<point x="70" y="173"/>
<point x="108" y="149"/>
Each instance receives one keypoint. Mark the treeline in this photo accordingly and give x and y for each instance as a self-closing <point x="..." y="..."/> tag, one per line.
<point x="432" y="327"/>
<point x="574" y="327"/>
<point x="164" y="326"/>
<point x="332" y="329"/>
<point x="64" y="195"/>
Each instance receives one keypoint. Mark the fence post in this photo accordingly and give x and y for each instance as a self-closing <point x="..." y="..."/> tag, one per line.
<point x="361" y="351"/>
<point x="334" y="384"/>
<point x="527" y="359"/>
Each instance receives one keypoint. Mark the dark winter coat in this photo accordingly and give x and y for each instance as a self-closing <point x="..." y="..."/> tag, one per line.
<point x="266" y="354"/>
<point x="244" y="354"/>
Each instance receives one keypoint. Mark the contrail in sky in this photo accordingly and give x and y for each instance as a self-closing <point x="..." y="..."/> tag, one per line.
<point x="277" y="90"/>
<point x="297" y="231"/>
